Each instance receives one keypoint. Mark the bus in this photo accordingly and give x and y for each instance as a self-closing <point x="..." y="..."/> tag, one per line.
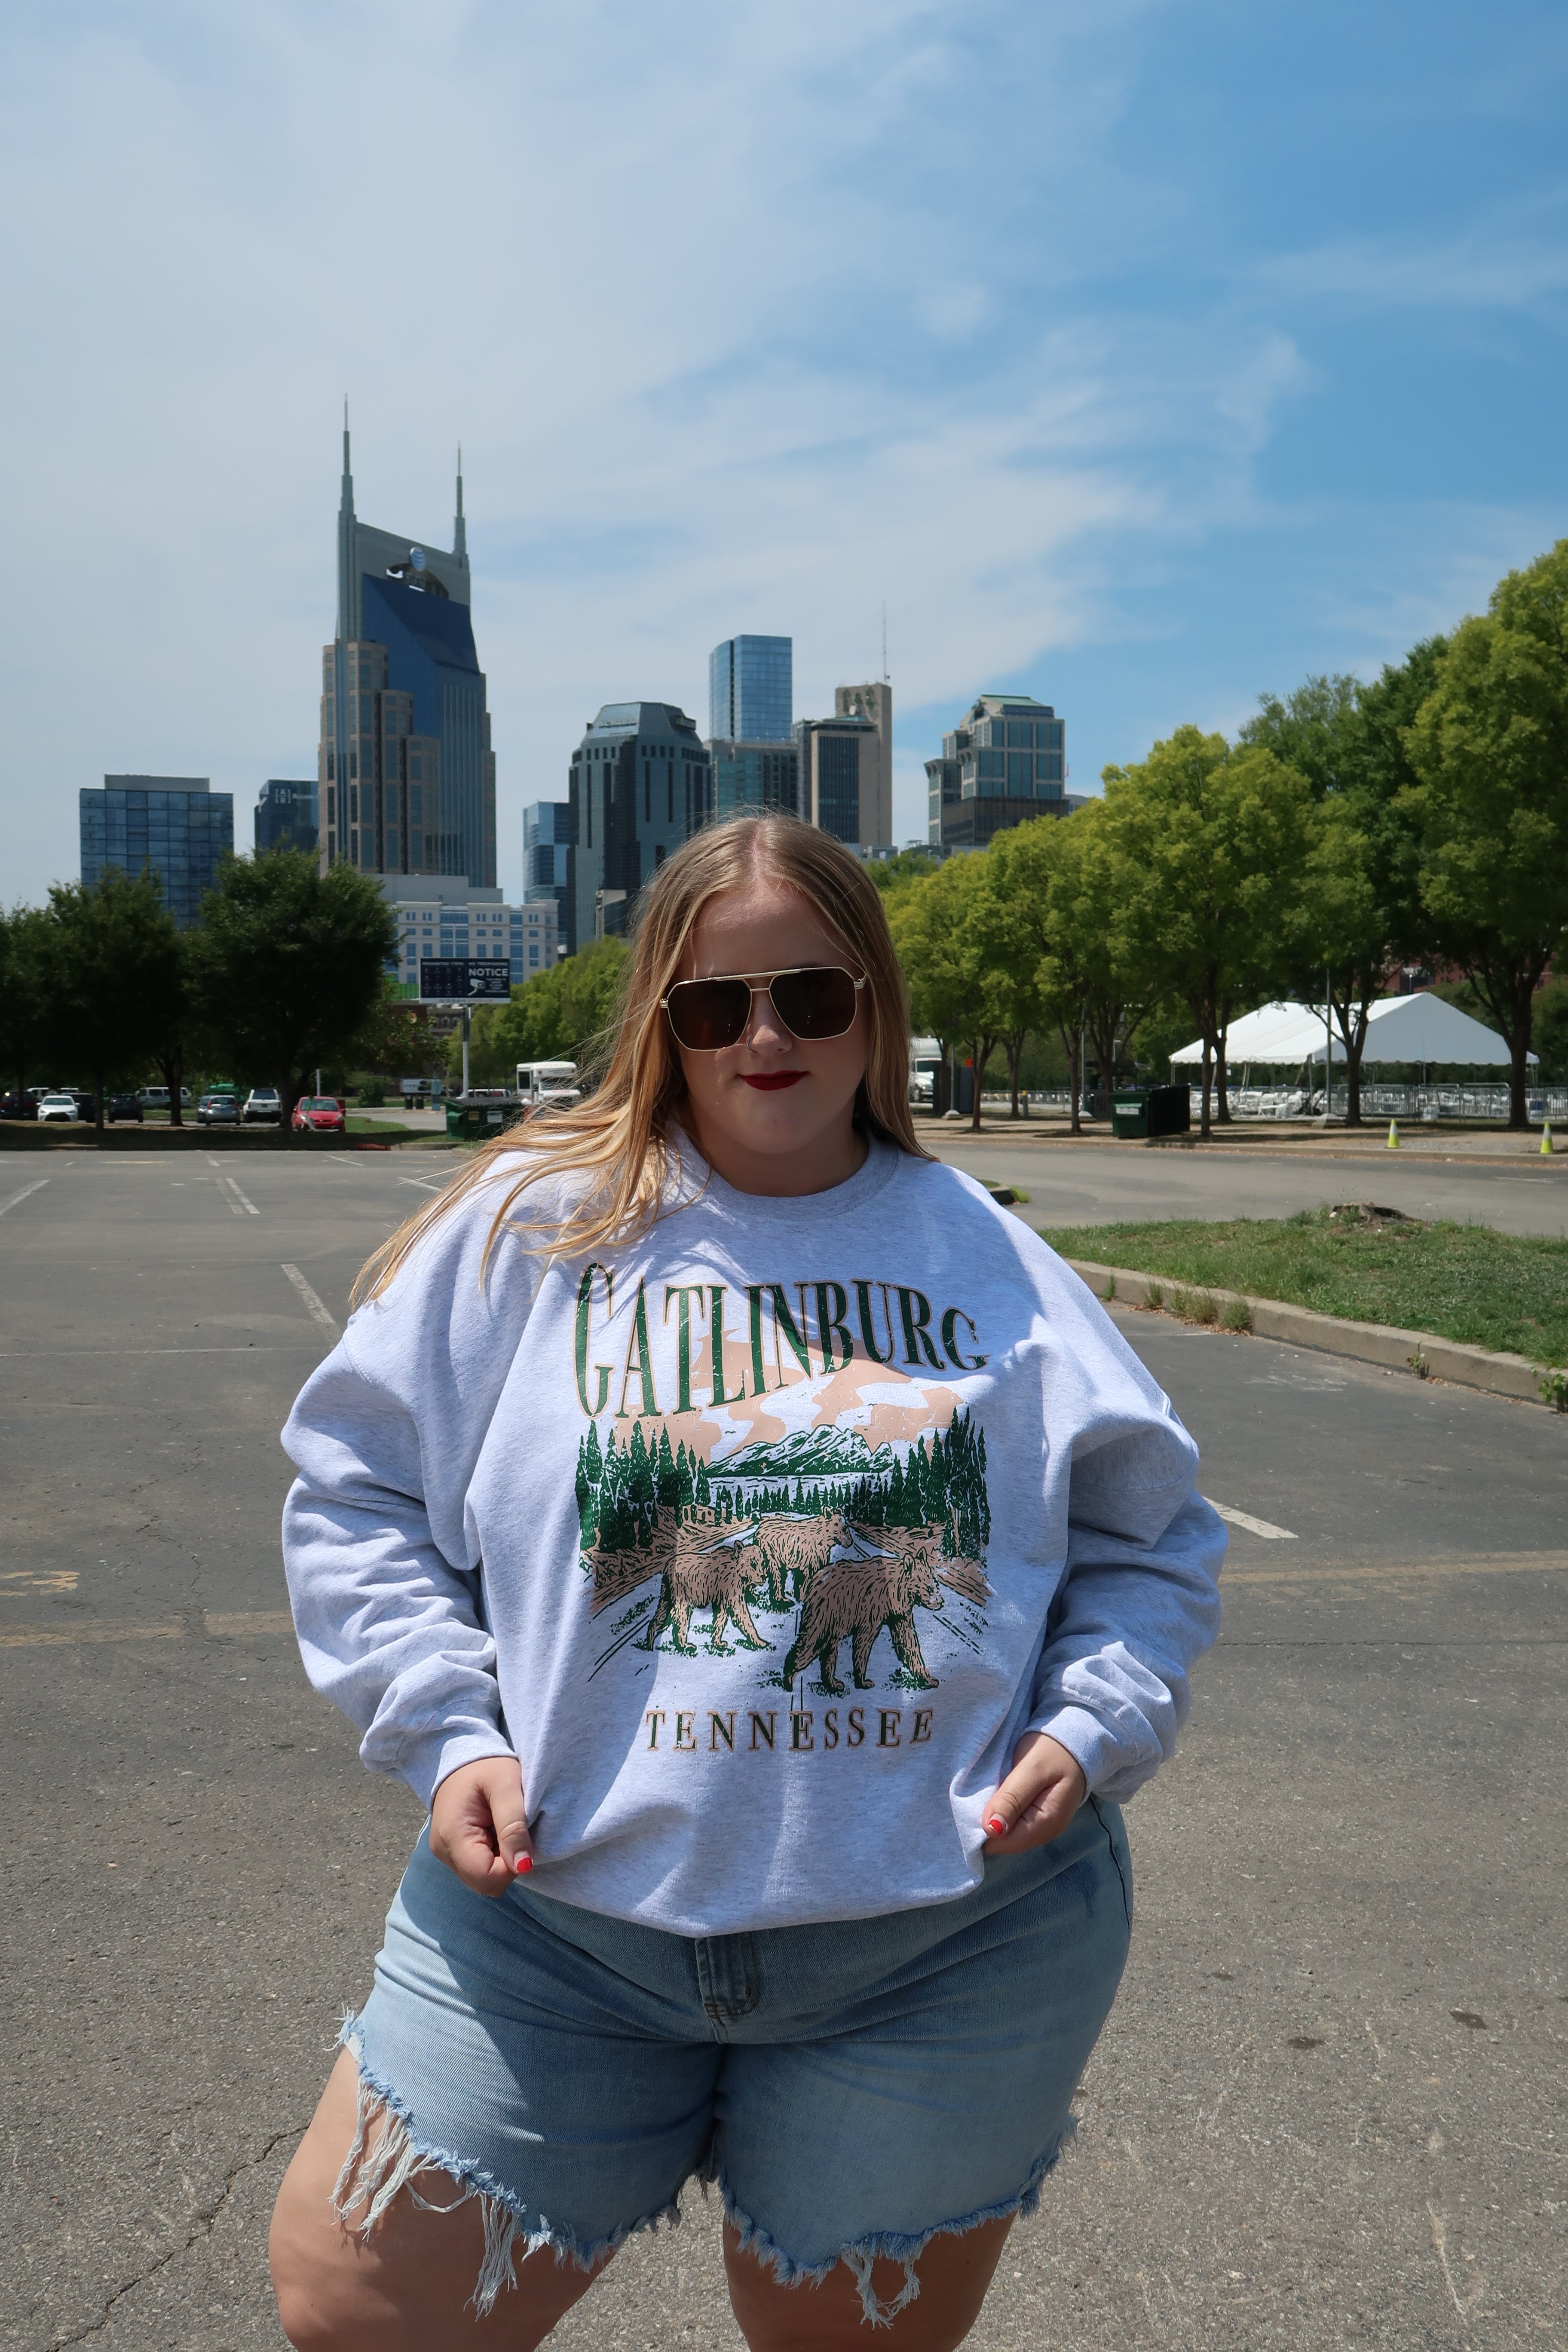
<point x="539" y="1083"/>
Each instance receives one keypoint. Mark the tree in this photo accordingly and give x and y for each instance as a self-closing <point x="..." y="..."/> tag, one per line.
<point x="954" y="995"/>
<point x="113" y="971"/>
<point x="561" y="1015"/>
<point x="1348" y="740"/>
<point x="289" y="965"/>
<point x="1489" y="745"/>
<point x="1214" y="847"/>
<point x="23" y="993"/>
<point x="1004" y="934"/>
<point x="394" y="1038"/>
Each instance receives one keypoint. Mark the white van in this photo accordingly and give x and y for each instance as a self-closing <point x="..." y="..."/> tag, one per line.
<point x="157" y="1097"/>
<point x="539" y="1083"/>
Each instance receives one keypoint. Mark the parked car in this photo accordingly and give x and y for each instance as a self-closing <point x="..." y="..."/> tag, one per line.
<point x="18" y="1105"/>
<point x="263" y="1102"/>
<point x="318" y="1114"/>
<point x="57" y="1110"/>
<point x="157" y="1097"/>
<point x="218" y="1111"/>
<point x="122" y="1107"/>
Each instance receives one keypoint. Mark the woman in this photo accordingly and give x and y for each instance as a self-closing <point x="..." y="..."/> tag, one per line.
<point x="770" y="1567"/>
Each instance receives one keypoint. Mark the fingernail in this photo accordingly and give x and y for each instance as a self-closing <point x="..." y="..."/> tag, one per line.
<point x="996" y="1826"/>
<point x="524" y="1862"/>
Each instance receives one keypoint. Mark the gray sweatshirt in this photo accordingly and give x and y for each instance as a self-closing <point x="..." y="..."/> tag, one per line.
<point x="759" y="1539"/>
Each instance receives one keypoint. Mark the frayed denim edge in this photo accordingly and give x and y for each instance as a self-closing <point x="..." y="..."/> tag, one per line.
<point x="889" y="2246"/>
<point x="371" y="2180"/>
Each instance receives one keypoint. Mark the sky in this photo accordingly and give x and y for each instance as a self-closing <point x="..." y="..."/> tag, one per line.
<point x="1144" y="356"/>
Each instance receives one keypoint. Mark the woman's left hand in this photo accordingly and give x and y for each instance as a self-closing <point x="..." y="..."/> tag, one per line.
<point x="1039" y="1797"/>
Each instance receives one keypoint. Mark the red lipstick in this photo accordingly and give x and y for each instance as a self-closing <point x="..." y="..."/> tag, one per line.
<point x="768" y="1081"/>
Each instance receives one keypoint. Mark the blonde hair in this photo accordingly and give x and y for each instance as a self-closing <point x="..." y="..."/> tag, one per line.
<point x="618" y="1135"/>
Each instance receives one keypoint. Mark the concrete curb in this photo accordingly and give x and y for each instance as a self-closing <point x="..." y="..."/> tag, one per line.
<point x="1335" y="1335"/>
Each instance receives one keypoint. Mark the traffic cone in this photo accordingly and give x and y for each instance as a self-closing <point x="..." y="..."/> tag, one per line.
<point x="1546" y="1139"/>
<point x="1394" y="1135"/>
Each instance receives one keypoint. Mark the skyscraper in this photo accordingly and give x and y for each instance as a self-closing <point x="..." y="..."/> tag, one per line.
<point x="874" y="702"/>
<point x="640" y="785"/>
<point x="546" y="850"/>
<point x="286" y="813"/>
<point x="406" y="773"/>
<point x="840" y="778"/>
<point x="1004" y="761"/>
<point x="176" y="828"/>
<point x="751" y="690"/>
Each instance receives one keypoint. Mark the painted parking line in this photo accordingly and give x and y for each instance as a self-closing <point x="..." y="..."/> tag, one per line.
<point x="425" y="1183"/>
<point x="222" y="1625"/>
<point x="25" y="1194"/>
<point x="1264" y="1527"/>
<point x="317" y="1309"/>
<point x="244" y="1197"/>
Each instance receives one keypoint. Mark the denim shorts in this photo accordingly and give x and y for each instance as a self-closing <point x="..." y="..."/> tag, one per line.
<point x="852" y="2087"/>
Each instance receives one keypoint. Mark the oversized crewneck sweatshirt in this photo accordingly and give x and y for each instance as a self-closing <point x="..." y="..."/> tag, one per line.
<point x="759" y="1538"/>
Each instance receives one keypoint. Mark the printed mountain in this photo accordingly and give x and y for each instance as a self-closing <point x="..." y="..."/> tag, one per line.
<point x="807" y="1454"/>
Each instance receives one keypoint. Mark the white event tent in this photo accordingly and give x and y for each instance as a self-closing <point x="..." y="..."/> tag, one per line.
<point x="1422" y="1029"/>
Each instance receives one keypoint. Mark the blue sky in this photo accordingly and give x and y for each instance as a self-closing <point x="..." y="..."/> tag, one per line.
<point x="1142" y="355"/>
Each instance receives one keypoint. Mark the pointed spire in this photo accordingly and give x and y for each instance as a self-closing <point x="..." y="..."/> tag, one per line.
<point x="460" y="527"/>
<point x="346" y="503"/>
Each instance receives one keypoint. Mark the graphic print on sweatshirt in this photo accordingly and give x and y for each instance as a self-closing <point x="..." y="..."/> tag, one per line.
<point x="797" y="1487"/>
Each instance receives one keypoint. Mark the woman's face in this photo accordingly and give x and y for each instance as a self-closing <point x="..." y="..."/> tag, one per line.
<point x="774" y="1113"/>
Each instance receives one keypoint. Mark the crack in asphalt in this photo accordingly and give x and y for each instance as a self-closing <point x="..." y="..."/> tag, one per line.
<point x="205" y="2224"/>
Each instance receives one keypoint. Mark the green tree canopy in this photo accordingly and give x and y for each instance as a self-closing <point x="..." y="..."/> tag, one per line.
<point x="566" y="1015"/>
<point x="1489" y="745"/>
<point x="945" y="930"/>
<point x="113" y="970"/>
<point x="1348" y="740"/>
<point x="24" y="994"/>
<point x="289" y="965"/>
<point x="1216" y="845"/>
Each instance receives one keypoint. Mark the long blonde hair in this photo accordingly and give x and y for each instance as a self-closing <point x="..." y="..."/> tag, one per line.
<point x="618" y="1135"/>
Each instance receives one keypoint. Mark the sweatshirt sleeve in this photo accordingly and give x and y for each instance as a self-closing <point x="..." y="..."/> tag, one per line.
<point x="379" y="1544"/>
<point x="389" y="1629"/>
<point x="1139" y="1602"/>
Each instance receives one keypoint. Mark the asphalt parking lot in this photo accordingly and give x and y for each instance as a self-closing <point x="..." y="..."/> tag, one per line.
<point x="1095" y="1183"/>
<point x="1329" y="2107"/>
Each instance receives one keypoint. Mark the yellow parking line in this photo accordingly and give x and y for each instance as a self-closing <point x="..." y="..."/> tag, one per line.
<point x="1419" y="1571"/>
<point x="224" y="1625"/>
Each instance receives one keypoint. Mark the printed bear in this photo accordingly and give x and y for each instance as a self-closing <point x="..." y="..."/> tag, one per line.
<point x="699" y="1570"/>
<point x="793" y="1548"/>
<point x="857" y="1597"/>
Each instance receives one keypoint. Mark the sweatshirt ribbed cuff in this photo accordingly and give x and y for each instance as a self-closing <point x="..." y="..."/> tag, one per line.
<point x="1084" y="1738"/>
<point x="426" y="1762"/>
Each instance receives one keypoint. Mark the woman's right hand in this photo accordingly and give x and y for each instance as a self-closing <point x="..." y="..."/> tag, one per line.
<point x="479" y="1827"/>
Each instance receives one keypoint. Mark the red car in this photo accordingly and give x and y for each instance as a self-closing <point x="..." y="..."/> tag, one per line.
<point x="320" y="1112"/>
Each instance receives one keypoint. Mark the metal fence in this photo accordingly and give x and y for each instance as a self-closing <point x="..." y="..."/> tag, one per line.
<point x="1433" y="1102"/>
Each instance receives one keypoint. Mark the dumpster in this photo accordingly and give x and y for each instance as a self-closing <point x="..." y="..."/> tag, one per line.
<point x="1170" y="1110"/>
<point x="1151" y="1110"/>
<point x="471" y="1117"/>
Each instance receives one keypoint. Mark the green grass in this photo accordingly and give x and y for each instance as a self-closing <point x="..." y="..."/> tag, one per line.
<point x="1496" y="1290"/>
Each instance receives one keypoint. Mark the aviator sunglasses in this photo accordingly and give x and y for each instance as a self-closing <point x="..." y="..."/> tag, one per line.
<point x="814" y="1001"/>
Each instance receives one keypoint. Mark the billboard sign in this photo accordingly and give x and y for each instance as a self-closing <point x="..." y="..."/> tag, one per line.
<point x="465" y="980"/>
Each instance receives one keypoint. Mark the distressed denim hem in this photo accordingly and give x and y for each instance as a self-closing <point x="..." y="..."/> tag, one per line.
<point x="889" y="2245"/>
<point x="372" y="2176"/>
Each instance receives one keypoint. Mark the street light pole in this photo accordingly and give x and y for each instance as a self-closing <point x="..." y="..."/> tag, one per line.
<point x="467" y="1024"/>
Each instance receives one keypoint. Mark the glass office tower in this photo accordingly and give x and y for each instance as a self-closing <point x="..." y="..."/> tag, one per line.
<point x="1005" y="763"/>
<point x="175" y="827"/>
<point x="546" y="842"/>
<point x="751" y="690"/>
<point x="286" y="813"/>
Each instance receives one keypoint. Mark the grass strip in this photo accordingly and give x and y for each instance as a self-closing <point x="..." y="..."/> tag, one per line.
<point x="1506" y="1291"/>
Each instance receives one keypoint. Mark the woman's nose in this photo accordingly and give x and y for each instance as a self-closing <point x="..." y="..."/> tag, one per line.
<point x="764" y="1027"/>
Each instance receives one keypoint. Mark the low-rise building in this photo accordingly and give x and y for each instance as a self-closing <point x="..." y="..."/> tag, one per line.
<point x="286" y="813"/>
<point x="445" y="919"/>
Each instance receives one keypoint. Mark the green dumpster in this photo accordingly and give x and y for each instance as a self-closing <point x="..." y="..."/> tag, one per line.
<point x="471" y="1117"/>
<point x="1130" y="1113"/>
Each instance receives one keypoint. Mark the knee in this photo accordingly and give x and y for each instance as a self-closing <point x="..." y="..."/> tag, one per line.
<point x="301" y="2280"/>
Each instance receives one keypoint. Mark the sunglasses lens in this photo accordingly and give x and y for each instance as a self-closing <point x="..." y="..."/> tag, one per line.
<point x="818" y="1003"/>
<point x="708" y="1014"/>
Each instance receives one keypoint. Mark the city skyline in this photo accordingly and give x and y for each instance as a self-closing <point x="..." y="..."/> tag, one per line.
<point x="1142" y="423"/>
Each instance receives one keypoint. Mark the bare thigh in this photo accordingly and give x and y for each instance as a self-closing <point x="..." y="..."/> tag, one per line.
<point x="953" y="2273"/>
<point x="410" y="2284"/>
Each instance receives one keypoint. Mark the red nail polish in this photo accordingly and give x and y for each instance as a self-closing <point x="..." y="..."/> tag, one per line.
<point x="524" y="1862"/>
<point x="996" y="1826"/>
